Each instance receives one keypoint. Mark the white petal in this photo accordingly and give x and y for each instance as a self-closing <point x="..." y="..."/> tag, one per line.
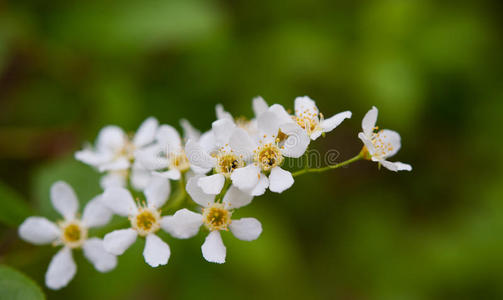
<point x="213" y="248"/>
<point x="297" y="142"/>
<point x="316" y="134"/>
<point x="367" y="143"/>
<point x="111" y="139"/>
<point x="305" y="105"/>
<point x="242" y="144"/>
<point x="39" y="231"/>
<point x="152" y="157"/>
<point x="268" y="123"/>
<point x="369" y="121"/>
<point x="95" y="252"/>
<point x="246" y="229"/>
<point x="261" y="186"/>
<point x="118" y="241"/>
<point x="113" y="179"/>
<point x="157" y="192"/>
<point x="389" y="139"/>
<point x="396" y="166"/>
<point x="246" y="178"/>
<point x="199" y="170"/>
<point x="64" y="200"/>
<point x="168" y="137"/>
<point x="156" y="252"/>
<point x="402" y="166"/>
<point x="259" y="106"/>
<point x="198" y="156"/>
<point x="328" y="125"/>
<point x="197" y="194"/>
<point x="280" y="180"/>
<point x="235" y="198"/>
<point x="171" y="174"/>
<point x="146" y="133"/>
<point x="183" y="224"/>
<point x="207" y="142"/>
<point x="190" y="133"/>
<point x="121" y="163"/>
<point x="223" y="129"/>
<point x="282" y="116"/>
<point x="61" y="270"/>
<point x="96" y="214"/>
<point x="140" y="177"/>
<point x="91" y="157"/>
<point x="222" y="114"/>
<point x="212" y="184"/>
<point x="120" y="201"/>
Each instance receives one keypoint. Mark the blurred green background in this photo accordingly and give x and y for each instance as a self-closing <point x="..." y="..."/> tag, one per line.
<point x="433" y="68"/>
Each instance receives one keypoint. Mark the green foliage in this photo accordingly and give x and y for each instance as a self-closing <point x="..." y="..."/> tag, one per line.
<point x="13" y="208"/>
<point x="433" y="68"/>
<point x="17" y="286"/>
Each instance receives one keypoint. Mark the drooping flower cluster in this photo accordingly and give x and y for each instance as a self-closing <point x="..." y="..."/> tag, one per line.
<point x="221" y="170"/>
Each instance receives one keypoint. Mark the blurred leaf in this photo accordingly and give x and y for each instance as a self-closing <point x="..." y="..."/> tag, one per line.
<point x="13" y="208"/>
<point x="16" y="286"/>
<point x="136" y="26"/>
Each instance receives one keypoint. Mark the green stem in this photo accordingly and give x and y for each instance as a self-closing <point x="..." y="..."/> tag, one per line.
<point x="320" y="170"/>
<point x="180" y="196"/>
<point x="226" y="186"/>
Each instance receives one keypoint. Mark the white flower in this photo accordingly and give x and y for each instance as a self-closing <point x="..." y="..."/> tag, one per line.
<point x="280" y="137"/>
<point x="71" y="233"/>
<point x="168" y="152"/>
<point x="145" y="221"/>
<point x="115" y="154"/>
<point x="310" y="119"/>
<point x="381" y="144"/>
<point x="216" y="216"/>
<point x="216" y="154"/>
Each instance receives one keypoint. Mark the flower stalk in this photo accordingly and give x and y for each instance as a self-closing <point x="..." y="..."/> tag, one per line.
<point x="328" y="168"/>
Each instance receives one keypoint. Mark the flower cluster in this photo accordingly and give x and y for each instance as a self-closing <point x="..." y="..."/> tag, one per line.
<point x="221" y="170"/>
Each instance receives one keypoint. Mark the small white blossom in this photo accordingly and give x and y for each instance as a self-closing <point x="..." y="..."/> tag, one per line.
<point x="145" y="221"/>
<point x="381" y="144"/>
<point x="115" y="153"/>
<point x="280" y="137"/>
<point x="168" y="152"/>
<point x="215" y="154"/>
<point x="71" y="233"/>
<point x="216" y="217"/>
<point x="312" y="121"/>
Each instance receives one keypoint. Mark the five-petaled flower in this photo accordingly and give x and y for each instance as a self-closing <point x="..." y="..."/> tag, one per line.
<point x="312" y="121"/>
<point x="167" y="156"/>
<point x="115" y="153"/>
<point x="279" y="137"/>
<point x="71" y="233"/>
<point x="380" y="144"/>
<point x="216" y="217"/>
<point x="145" y="221"/>
<point x="217" y="154"/>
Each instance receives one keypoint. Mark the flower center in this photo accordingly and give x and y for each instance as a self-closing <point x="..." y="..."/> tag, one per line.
<point x="381" y="146"/>
<point x="179" y="161"/>
<point x="308" y="121"/>
<point x="73" y="234"/>
<point x="268" y="156"/>
<point x="127" y="150"/>
<point x="281" y="136"/>
<point x="227" y="162"/>
<point x="146" y="221"/>
<point x="216" y="217"/>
